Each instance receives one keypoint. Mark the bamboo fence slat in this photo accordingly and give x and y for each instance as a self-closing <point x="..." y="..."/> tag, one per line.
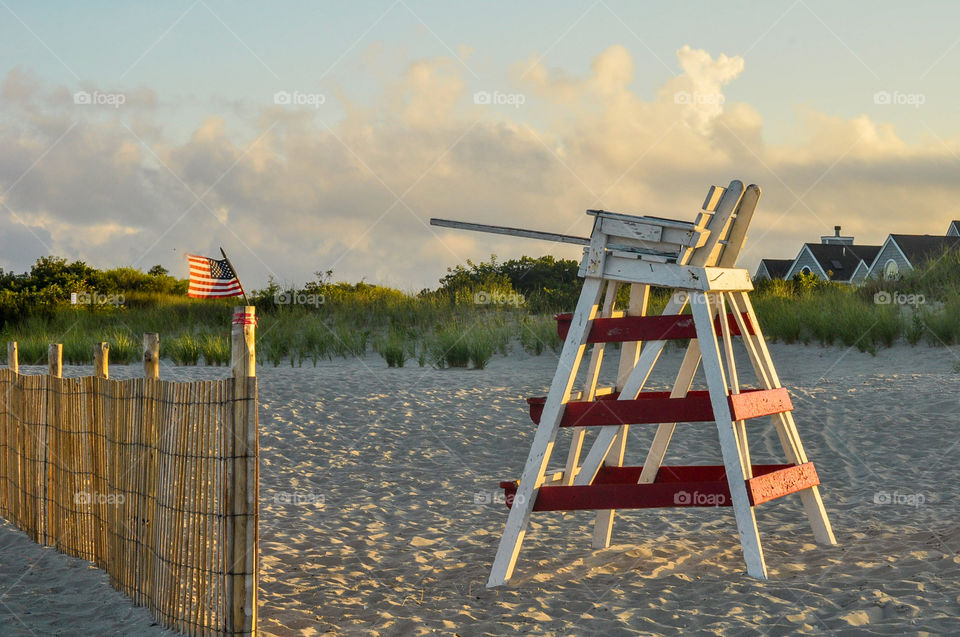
<point x="142" y="478"/>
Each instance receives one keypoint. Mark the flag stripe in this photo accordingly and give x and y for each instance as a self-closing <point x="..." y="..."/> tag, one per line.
<point x="212" y="278"/>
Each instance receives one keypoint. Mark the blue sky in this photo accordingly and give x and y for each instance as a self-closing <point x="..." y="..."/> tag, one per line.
<point x="200" y="79"/>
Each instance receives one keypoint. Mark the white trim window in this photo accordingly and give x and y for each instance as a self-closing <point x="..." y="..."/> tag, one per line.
<point x="891" y="270"/>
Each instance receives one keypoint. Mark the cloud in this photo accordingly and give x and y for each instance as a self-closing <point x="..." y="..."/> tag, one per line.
<point x="305" y="192"/>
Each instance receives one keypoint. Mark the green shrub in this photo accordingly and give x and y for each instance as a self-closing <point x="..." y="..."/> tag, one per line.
<point x="449" y="346"/>
<point x="349" y="340"/>
<point x="77" y="350"/>
<point x="537" y="333"/>
<point x="184" y="349"/>
<point x="124" y="349"/>
<point x="317" y="341"/>
<point x="215" y="349"/>
<point x="394" y="346"/>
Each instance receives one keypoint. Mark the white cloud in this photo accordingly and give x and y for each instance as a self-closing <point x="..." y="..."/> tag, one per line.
<point x="298" y="197"/>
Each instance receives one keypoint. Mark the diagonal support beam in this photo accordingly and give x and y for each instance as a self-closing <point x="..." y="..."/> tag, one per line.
<point x="729" y="447"/>
<point x="546" y="434"/>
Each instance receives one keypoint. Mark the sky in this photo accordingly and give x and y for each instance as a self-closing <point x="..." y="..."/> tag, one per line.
<point x="306" y="136"/>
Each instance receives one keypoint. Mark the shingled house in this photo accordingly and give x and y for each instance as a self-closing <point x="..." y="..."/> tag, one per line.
<point x="901" y="253"/>
<point x="835" y="258"/>
<point x="772" y="269"/>
<point x="838" y="258"/>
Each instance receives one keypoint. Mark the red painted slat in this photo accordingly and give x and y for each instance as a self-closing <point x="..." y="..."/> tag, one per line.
<point x="645" y="328"/>
<point x="783" y="482"/>
<point x="658" y="407"/>
<point x="754" y="404"/>
<point x="684" y="486"/>
<point x="633" y="496"/>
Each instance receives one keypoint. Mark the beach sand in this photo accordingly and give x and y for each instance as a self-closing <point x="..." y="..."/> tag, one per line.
<point x="378" y="513"/>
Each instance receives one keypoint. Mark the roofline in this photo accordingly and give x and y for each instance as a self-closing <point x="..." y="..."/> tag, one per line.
<point x="862" y="264"/>
<point x="890" y="239"/>
<point x="790" y="273"/>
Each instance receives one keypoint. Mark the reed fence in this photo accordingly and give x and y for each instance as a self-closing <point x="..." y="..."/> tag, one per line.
<point x="154" y="481"/>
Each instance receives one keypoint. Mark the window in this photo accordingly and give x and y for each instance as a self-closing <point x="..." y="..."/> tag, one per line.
<point x="805" y="270"/>
<point x="891" y="270"/>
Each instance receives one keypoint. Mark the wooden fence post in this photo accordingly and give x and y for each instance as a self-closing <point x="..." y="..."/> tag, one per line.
<point x="101" y="360"/>
<point x="244" y="501"/>
<point x="44" y="431"/>
<point x="13" y="359"/>
<point x="151" y="355"/>
<point x="243" y="357"/>
<point x="55" y="360"/>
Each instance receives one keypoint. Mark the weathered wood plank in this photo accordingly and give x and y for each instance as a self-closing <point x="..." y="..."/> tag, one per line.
<point x="645" y="328"/>
<point x="782" y="482"/>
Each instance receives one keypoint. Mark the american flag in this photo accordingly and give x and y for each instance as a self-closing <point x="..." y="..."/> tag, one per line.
<point x="212" y="278"/>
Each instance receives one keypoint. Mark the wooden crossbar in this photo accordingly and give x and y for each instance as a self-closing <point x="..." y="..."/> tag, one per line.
<point x="645" y="328"/>
<point x="652" y="408"/>
<point x="681" y="486"/>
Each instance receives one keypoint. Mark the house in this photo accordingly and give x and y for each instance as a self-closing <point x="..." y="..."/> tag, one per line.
<point x="835" y="258"/>
<point x="901" y="253"/>
<point x="772" y="269"/>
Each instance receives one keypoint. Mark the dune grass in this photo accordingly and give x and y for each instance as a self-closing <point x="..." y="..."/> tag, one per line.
<point x="456" y="331"/>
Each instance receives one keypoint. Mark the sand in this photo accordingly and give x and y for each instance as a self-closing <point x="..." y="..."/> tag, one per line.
<point x="377" y="513"/>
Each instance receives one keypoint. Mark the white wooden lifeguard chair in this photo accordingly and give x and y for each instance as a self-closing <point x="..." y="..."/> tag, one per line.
<point x="697" y="261"/>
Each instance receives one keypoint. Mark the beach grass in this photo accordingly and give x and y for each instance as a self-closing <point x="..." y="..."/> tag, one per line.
<point x="468" y="326"/>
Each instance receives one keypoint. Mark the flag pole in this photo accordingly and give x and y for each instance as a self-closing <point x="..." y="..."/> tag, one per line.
<point x="227" y="259"/>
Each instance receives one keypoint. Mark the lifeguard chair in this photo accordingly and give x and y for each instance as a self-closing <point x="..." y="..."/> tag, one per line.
<point x="696" y="260"/>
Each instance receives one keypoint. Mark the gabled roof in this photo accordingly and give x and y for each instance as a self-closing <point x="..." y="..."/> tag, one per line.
<point x="917" y="248"/>
<point x="839" y="262"/>
<point x="954" y="229"/>
<point x="866" y="266"/>
<point x="777" y="268"/>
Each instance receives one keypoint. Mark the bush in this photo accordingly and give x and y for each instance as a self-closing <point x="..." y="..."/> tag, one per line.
<point x="215" y="349"/>
<point x="537" y="333"/>
<point x="450" y="347"/>
<point x="394" y="346"/>
<point x="185" y="349"/>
